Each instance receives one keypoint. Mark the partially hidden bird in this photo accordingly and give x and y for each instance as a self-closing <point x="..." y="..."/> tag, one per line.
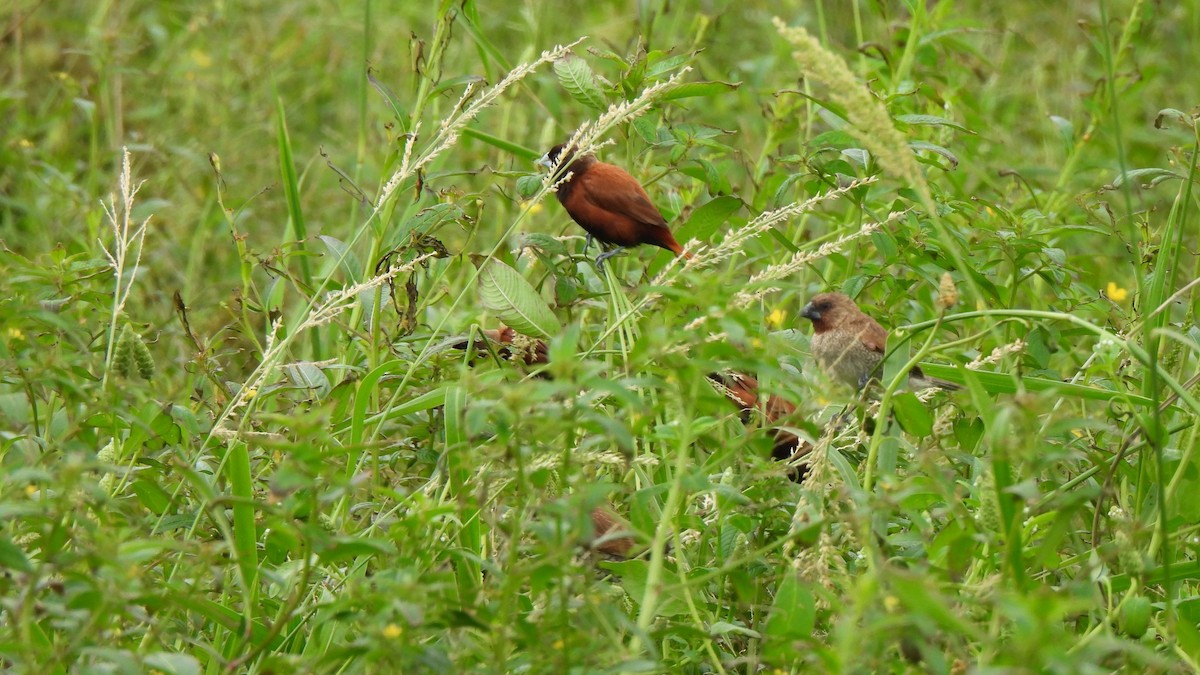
<point x="610" y="535"/>
<point x="849" y="345"/>
<point x="529" y="350"/>
<point x="742" y="390"/>
<point x="608" y="203"/>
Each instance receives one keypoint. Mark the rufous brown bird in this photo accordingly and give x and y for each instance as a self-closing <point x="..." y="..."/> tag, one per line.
<point x="610" y="535"/>
<point x="742" y="391"/>
<point x="529" y="350"/>
<point x="850" y="345"/>
<point x="608" y="203"/>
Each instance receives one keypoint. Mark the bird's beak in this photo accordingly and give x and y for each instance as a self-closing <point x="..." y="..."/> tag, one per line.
<point x="810" y="312"/>
<point x="544" y="160"/>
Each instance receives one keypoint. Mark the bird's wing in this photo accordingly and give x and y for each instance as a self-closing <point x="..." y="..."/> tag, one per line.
<point x="612" y="189"/>
<point x="873" y="336"/>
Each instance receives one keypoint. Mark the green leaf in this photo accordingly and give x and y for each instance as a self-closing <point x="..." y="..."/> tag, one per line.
<point x="576" y="76"/>
<point x="911" y="414"/>
<point x="1003" y="383"/>
<point x="507" y="146"/>
<point x="931" y="120"/>
<point x="527" y="186"/>
<point x="922" y="145"/>
<point x="1178" y="115"/>
<point x="12" y="557"/>
<point x="1152" y="175"/>
<point x="660" y="63"/>
<point x="694" y="89"/>
<point x="342" y="549"/>
<point x="453" y="82"/>
<point x="344" y="256"/>
<point x="544" y="242"/>
<point x="392" y="101"/>
<point x="176" y="664"/>
<point x="706" y="219"/>
<point x="793" y="617"/>
<point x="515" y="301"/>
<point x="152" y="496"/>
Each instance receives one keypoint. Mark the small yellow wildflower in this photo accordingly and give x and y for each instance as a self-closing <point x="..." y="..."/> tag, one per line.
<point x="392" y="631"/>
<point x="777" y="317"/>
<point x="251" y="392"/>
<point x="201" y="58"/>
<point x="534" y="209"/>
<point x="1115" y="292"/>
<point x="891" y="603"/>
<point x="15" y="333"/>
<point x="756" y="343"/>
<point x="31" y="490"/>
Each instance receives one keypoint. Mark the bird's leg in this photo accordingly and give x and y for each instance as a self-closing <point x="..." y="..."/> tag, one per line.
<point x="864" y="380"/>
<point x="587" y="243"/>
<point x="606" y="255"/>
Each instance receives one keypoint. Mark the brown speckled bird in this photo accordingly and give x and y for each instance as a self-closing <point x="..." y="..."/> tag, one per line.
<point x="609" y="204"/>
<point x="850" y="345"/>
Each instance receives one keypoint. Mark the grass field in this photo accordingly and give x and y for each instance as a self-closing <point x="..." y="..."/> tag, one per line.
<point x="245" y="244"/>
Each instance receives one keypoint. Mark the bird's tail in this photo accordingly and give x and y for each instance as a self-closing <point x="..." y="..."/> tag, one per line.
<point x="919" y="380"/>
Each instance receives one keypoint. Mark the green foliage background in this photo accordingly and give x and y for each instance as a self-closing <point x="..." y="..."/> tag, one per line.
<point x="204" y="470"/>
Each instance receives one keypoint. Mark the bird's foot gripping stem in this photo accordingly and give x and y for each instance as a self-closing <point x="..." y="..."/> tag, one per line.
<point x="606" y="255"/>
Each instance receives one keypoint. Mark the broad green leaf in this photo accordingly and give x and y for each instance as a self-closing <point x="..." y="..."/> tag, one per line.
<point x="392" y="101"/>
<point x="1173" y="113"/>
<point x="12" y="557"/>
<point x="922" y="145"/>
<point x="527" y="186"/>
<point x="576" y="76"/>
<point x="152" y="496"/>
<point x="515" y="301"/>
<point x="344" y="257"/>
<point x="543" y="241"/>
<point x="341" y="549"/>
<point x="1002" y="383"/>
<point x="912" y="415"/>
<point x="507" y="146"/>
<point x="694" y="89"/>
<point x="792" y="618"/>
<point x="176" y="664"/>
<point x="660" y="63"/>
<point x="931" y="120"/>
<point x="1152" y="175"/>
<point x="706" y="219"/>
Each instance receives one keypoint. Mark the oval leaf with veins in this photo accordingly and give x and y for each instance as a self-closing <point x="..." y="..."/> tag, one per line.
<point x="515" y="301"/>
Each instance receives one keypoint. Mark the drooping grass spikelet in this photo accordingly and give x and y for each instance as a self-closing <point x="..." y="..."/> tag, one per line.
<point x="869" y="119"/>
<point x="449" y="129"/>
<point x="802" y="258"/>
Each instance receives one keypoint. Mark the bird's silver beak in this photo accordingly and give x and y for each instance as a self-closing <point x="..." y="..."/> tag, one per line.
<point x="544" y="160"/>
<point x="810" y="312"/>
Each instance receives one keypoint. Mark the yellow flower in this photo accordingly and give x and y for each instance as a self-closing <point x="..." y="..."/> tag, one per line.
<point x="201" y="58"/>
<point x="533" y="210"/>
<point x="756" y="343"/>
<point x="891" y="603"/>
<point x="777" y="317"/>
<point x="15" y="333"/>
<point x="1115" y="292"/>
<point x="392" y="631"/>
